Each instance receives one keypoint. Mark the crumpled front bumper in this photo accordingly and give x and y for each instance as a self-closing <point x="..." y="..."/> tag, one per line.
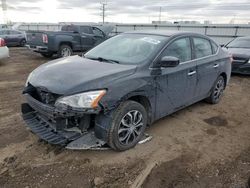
<point x="39" y="119"/>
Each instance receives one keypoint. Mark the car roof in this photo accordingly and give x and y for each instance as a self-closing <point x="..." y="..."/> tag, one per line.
<point x="167" y="33"/>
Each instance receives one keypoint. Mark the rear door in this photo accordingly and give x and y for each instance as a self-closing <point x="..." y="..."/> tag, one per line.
<point x="176" y="86"/>
<point x="208" y="65"/>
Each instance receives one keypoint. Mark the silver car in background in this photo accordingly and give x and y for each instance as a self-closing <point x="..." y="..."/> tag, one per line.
<point x="13" y="37"/>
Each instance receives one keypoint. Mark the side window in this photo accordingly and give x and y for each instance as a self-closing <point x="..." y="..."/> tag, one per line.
<point x="181" y="48"/>
<point x="215" y="47"/>
<point x="97" y="32"/>
<point x="68" y="28"/>
<point x="202" y="47"/>
<point x="86" y="29"/>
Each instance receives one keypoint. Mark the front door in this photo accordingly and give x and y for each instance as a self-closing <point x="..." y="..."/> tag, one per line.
<point x="175" y="87"/>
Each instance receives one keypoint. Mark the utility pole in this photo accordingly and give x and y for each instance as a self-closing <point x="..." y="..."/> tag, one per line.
<point x="4" y="8"/>
<point x="160" y="15"/>
<point x="103" y="9"/>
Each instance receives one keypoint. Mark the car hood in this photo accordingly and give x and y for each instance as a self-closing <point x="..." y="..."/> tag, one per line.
<point x="239" y="51"/>
<point x="75" y="74"/>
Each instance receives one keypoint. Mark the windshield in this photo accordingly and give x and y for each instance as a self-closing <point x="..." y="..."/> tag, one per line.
<point x="128" y="48"/>
<point x="239" y="43"/>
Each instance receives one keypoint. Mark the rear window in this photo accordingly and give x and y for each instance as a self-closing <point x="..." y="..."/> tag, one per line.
<point x="202" y="47"/>
<point x="68" y="28"/>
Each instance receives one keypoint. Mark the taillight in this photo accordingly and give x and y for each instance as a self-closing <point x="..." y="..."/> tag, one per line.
<point x="2" y="42"/>
<point x="45" y="38"/>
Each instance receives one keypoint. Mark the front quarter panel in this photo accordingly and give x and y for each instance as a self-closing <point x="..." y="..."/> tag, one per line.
<point x="120" y="90"/>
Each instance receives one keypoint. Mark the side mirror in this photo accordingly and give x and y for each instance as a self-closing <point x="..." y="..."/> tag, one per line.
<point x="169" y="61"/>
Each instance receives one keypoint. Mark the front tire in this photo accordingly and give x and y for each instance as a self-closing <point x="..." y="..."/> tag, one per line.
<point x="217" y="91"/>
<point x="127" y="126"/>
<point x="65" y="51"/>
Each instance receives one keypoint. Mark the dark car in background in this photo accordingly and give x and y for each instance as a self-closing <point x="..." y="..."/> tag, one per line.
<point x="13" y="37"/>
<point x="71" y="38"/>
<point x="240" y="50"/>
<point x="119" y="87"/>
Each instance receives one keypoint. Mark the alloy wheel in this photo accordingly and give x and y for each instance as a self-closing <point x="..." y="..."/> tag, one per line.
<point x="130" y="127"/>
<point x="66" y="52"/>
<point x="219" y="88"/>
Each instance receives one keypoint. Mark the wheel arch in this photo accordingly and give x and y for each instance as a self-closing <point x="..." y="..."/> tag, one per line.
<point x="66" y="43"/>
<point x="224" y="75"/>
<point x="145" y="102"/>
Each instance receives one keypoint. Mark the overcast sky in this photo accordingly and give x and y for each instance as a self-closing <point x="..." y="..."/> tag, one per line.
<point x="128" y="11"/>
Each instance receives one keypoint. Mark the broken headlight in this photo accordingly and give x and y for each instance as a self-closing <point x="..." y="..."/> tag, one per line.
<point x="82" y="100"/>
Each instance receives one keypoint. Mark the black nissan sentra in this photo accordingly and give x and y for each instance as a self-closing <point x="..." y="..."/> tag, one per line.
<point x="109" y="96"/>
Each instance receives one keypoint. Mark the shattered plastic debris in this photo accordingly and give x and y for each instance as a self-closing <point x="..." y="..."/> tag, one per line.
<point x="90" y="142"/>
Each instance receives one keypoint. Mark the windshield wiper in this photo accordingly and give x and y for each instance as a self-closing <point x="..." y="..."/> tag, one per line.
<point x="105" y="60"/>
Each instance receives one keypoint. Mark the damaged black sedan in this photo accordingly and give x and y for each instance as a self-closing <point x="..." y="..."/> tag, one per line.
<point x="240" y="50"/>
<point x="119" y="87"/>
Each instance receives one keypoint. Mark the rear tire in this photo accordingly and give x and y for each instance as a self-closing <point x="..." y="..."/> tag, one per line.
<point x="64" y="51"/>
<point x="217" y="91"/>
<point x="128" y="124"/>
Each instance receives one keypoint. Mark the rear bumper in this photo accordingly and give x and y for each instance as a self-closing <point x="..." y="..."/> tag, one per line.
<point x="4" y="52"/>
<point x="39" y="49"/>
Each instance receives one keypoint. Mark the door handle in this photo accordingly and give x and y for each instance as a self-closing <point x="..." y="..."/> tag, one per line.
<point x="216" y="65"/>
<point x="191" y="73"/>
